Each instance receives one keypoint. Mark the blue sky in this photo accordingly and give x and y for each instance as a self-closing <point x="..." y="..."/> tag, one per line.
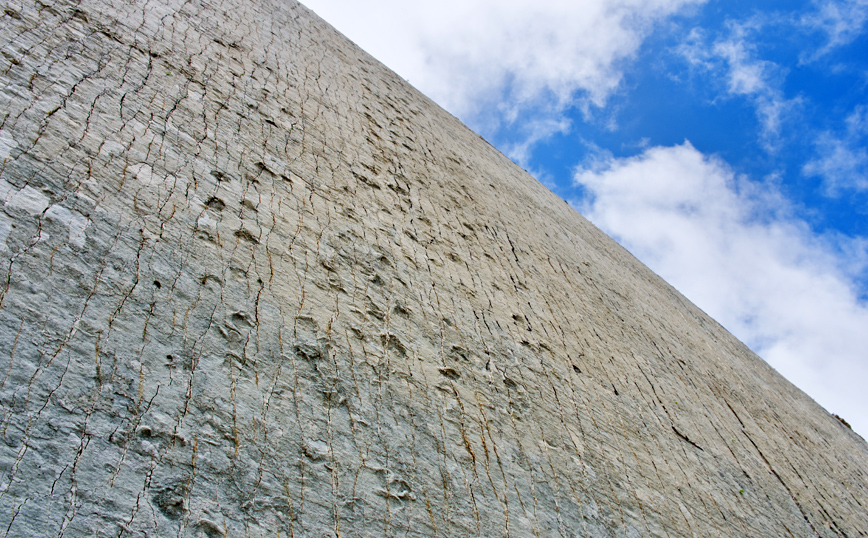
<point x="724" y="143"/>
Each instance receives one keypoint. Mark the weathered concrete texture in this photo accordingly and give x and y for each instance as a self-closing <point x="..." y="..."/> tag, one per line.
<point x="254" y="284"/>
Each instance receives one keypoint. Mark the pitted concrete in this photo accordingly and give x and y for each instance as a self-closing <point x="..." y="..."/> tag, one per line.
<point x="252" y="283"/>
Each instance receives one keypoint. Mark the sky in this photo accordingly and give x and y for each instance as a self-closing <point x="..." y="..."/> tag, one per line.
<point x="723" y="143"/>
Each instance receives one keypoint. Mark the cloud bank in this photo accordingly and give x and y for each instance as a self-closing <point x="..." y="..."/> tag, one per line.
<point x="503" y="55"/>
<point x="734" y="249"/>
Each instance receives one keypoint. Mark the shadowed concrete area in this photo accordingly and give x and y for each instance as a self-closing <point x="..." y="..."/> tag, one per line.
<point x="252" y="283"/>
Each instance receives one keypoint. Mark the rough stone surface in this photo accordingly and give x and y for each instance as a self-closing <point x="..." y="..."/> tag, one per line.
<point x="254" y="284"/>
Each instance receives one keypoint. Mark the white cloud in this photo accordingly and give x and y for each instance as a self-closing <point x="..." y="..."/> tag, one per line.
<point x="733" y="62"/>
<point x="841" y="20"/>
<point x="841" y="159"/>
<point x="731" y="246"/>
<point x="504" y="55"/>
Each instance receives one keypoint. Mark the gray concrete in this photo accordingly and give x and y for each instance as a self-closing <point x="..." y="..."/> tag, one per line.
<point x="252" y="283"/>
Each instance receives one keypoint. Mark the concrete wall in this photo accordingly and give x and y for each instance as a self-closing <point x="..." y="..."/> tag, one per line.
<point x="254" y="284"/>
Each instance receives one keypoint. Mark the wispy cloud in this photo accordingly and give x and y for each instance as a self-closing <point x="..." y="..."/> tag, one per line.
<point x="732" y="247"/>
<point x="841" y="159"/>
<point x="732" y="61"/>
<point x="535" y="131"/>
<point x="840" y="20"/>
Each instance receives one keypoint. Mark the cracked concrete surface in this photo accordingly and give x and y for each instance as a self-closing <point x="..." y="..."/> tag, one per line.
<point x="252" y="283"/>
